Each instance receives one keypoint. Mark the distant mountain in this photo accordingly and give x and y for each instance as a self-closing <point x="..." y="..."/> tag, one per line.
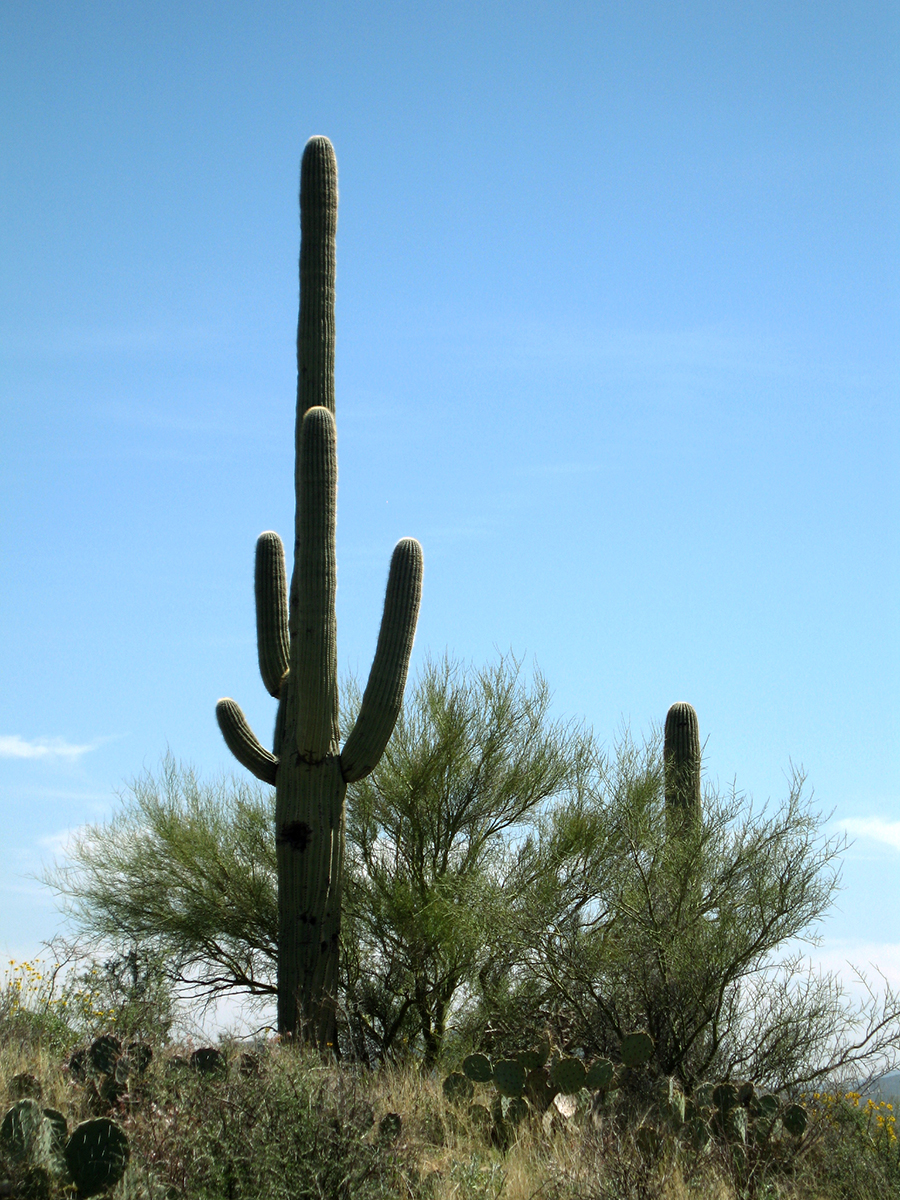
<point x="887" y="1088"/>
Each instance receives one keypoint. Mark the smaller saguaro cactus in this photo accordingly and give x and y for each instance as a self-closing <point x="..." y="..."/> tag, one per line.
<point x="681" y="764"/>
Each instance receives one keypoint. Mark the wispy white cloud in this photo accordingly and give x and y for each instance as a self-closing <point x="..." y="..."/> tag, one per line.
<point x="875" y="828"/>
<point x="13" y="746"/>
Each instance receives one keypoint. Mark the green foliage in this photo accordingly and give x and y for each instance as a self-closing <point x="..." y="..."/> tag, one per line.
<point x="503" y="879"/>
<point x="130" y="989"/>
<point x="474" y="755"/>
<point x="852" y="1144"/>
<point x="55" y="1007"/>
<point x="295" y="1127"/>
<point x="185" y="873"/>
<point x="32" y="1012"/>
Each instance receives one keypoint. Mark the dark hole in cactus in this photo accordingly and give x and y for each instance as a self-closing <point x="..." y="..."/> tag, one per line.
<point x="296" y="834"/>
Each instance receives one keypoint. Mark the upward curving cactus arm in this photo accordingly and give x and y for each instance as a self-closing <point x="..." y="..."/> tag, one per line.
<point x="272" y="636"/>
<point x="387" y="679"/>
<point x="243" y="743"/>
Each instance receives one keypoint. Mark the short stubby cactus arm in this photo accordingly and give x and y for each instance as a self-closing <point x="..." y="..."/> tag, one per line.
<point x="682" y="762"/>
<point x="312" y="690"/>
<point x="384" y="692"/>
<point x="243" y="744"/>
<point x="272" y="636"/>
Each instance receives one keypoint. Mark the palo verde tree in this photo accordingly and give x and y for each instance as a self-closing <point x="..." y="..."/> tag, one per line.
<point x="185" y="872"/>
<point x="186" y="869"/>
<point x="430" y="832"/>
<point x="298" y="652"/>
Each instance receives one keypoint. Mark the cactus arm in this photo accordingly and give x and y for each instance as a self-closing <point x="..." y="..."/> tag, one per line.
<point x="312" y="693"/>
<point x="272" y="636"/>
<point x="387" y="679"/>
<point x="242" y="742"/>
<point x="315" y="328"/>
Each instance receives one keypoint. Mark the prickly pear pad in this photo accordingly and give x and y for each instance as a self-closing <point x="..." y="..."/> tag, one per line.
<point x="97" y="1154"/>
<point x="637" y="1048"/>
<point x="478" y="1068"/>
<point x="569" y="1075"/>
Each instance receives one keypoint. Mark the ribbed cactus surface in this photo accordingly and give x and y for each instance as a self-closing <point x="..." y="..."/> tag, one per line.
<point x="297" y="644"/>
<point x="681" y="764"/>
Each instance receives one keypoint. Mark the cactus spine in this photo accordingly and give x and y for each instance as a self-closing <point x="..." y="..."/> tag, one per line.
<point x="297" y="643"/>
<point x="681" y="765"/>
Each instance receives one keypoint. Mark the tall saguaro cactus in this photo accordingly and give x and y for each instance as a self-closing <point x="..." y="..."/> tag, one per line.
<point x="296" y="637"/>
<point x="681" y="765"/>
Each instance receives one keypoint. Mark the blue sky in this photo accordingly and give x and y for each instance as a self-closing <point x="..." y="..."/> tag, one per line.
<point x="617" y="341"/>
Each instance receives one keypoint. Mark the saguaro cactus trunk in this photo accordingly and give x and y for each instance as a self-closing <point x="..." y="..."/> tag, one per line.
<point x="297" y="643"/>
<point x="681" y="765"/>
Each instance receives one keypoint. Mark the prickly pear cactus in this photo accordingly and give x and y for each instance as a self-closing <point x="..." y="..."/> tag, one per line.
<point x="569" y="1075"/>
<point x="753" y="1126"/>
<point x="457" y="1088"/>
<point x="97" y="1154"/>
<point x="209" y="1060"/>
<point x="600" y="1076"/>
<point x="103" y="1054"/>
<point x="795" y="1120"/>
<point x="297" y="642"/>
<point x="24" y="1135"/>
<point x="509" y="1077"/>
<point x="478" y="1068"/>
<point x="636" y="1049"/>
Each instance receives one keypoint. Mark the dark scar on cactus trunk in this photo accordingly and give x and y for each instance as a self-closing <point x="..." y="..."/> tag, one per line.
<point x="296" y="834"/>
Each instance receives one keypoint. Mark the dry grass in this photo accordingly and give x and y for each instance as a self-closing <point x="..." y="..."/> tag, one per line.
<point x="308" y="1128"/>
